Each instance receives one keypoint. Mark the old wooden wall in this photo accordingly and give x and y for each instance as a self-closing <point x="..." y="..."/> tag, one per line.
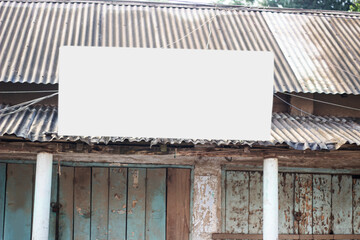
<point x="308" y="203"/>
<point x="99" y="202"/>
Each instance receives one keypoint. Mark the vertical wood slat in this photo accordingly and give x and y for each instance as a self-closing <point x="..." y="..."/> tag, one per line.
<point x="178" y="204"/>
<point x="356" y="205"/>
<point x="99" y="203"/>
<point x="136" y="204"/>
<point x="19" y="199"/>
<point x="66" y="198"/>
<point x="286" y="203"/>
<point x="117" y="203"/>
<point x="82" y="208"/>
<point x="342" y="204"/>
<point x="54" y="199"/>
<point x="237" y="202"/>
<point x="2" y="197"/>
<point x="303" y="202"/>
<point x="155" y="204"/>
<point x="321" y="204"/>
<point x="255" y="203"/>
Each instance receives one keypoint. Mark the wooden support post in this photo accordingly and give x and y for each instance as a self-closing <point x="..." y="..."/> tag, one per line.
<point x="270" y="199"/>
<point x="41" y="215"/>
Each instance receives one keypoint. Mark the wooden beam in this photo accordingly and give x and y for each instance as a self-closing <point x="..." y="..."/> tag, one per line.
<point x="283" y="236"/>
<point x="340" y="159"/>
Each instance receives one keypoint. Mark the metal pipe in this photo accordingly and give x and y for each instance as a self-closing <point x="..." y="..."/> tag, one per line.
<point x="41" y="215"/>
<point x="270" y="199"/>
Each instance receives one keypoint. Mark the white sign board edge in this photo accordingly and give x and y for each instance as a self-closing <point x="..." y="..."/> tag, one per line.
<point x="165" y="93"/>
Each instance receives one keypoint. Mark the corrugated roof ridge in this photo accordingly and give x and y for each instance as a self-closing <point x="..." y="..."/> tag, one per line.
<point x="200" y="5"/>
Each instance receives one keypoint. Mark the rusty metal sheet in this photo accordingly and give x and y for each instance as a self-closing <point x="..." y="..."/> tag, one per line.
<point x="342" y="204"/>
<point x="286" y="203"/>
<point x="82" y="198"/>
<point x="117" y="203"/>
<point x="99" y="203"/>
<point x="303" y="203"/>
<point x="237" y="202"/>
<point x="256" y="203"/>
<point x="321" y="204"/>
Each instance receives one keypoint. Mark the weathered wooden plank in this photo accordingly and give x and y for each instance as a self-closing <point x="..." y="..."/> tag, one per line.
<point x="66" y="199"/>
<point x="255" y="203"/>
<point x="342" y="204"/>
<point x="321" y="204"/>
<point x="178" y="204"/>
<point x="136" y="204"/>
<point x="356" y="205"/>
<point x="237" y="202"/>
<point x="303" y="203"/>
<point x="2" y="197"/>
<point x="54" y="197"/>
<point x="82" y="197"/>
<point x="155" y="204"/>
<point x="19" y="199"/>
<point x="117" y="203"/>
<point x="99" y="203"/>
<point x="286" y="203"/>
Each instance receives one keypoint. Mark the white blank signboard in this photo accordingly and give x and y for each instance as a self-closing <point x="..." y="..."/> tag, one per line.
<point x="165" y="93"/>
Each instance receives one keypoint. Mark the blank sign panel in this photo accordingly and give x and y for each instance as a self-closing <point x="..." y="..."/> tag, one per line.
<point x="165" y="93"/>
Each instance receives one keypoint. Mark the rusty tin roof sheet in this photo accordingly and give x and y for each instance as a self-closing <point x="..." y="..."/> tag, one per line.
<point x="314" y="52"/>
<point x="40" y="124"/>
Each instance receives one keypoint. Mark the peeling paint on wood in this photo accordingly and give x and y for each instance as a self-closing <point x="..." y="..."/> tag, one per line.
<point x="66" y="197"/>
<point x="256" y="203"/>
<point x="286" y="203"/>
<point x="321" y="204"/>
<point x="156" y="204"/>
<point x="2" y="197"/>
<point x="342" y="204"/>
<point x="117" y="203"/>
<point x="237" y="202"/>
<point x="205" y="208"/>
<point x="19" y="199"/>
<point x="99" y="203"/>
<point x="303" y="203"/>
<point x="356" y="205"/>
<point x="136" y="213"/>
<point x="82" y="211"/>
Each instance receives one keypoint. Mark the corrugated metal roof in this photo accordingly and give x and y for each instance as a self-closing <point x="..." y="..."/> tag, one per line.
<point x="322" y="50"/>
<point x="313" y="52"/>
<point x="40" y="124"/>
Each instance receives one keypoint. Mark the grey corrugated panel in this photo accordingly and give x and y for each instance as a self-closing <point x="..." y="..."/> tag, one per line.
<point x="323" y="50"/>
<point x="313" y="52"/>
<point x="40" y="124"/>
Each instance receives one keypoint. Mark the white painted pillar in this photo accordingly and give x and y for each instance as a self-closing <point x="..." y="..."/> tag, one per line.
<point x="270" y="199"/>
<point x="41" y="215"/>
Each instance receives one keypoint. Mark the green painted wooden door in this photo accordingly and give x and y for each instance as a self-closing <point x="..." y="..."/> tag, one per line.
<point x="112" y="203"/>
<point x="98" y="203"/>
